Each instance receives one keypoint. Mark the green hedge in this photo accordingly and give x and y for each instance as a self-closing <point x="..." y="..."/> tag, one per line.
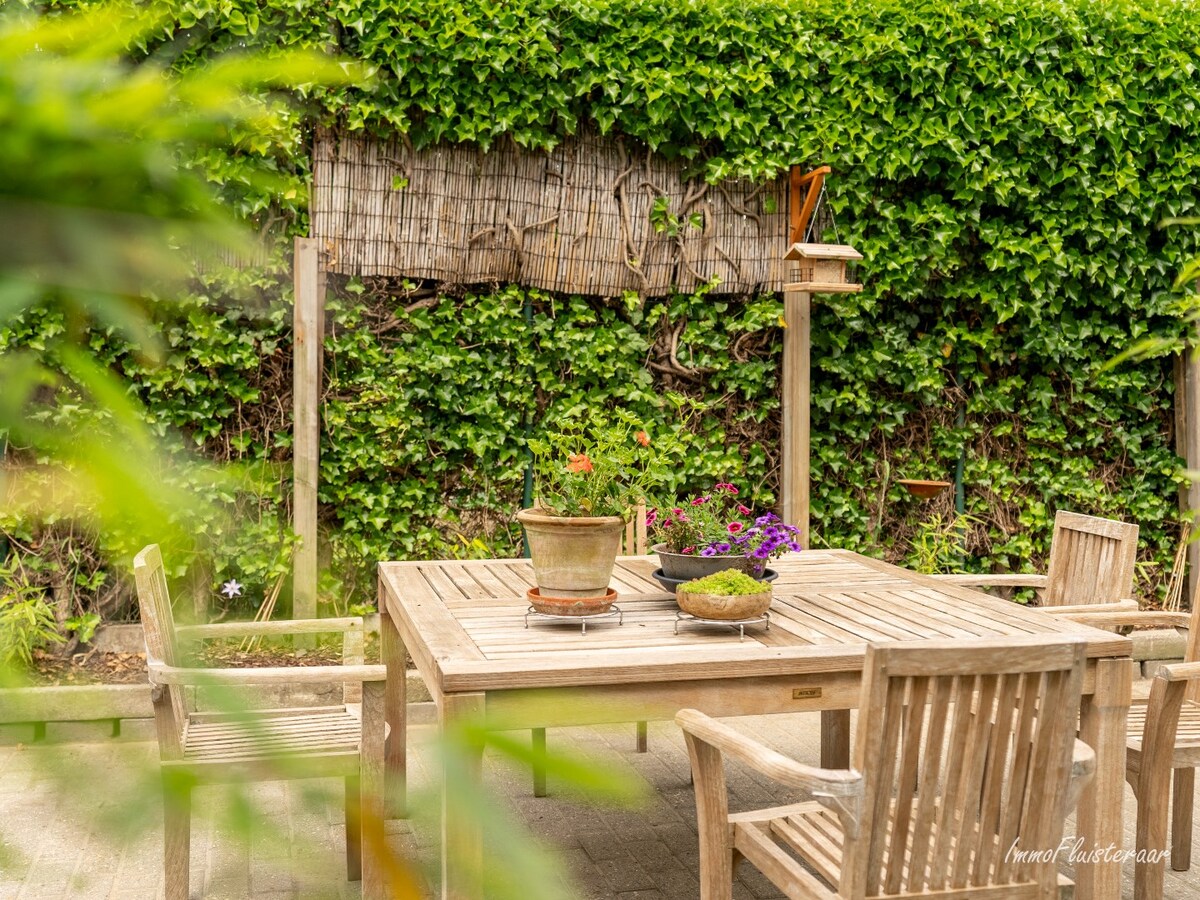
<point x="1003" y="166"/>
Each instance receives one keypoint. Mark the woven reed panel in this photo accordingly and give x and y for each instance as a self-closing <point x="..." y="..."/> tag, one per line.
<point x="575" y="220"/>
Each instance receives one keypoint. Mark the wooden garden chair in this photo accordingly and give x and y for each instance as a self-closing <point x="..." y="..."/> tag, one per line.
<point x="1163" y="745"/>
<point x="937" y="795"/>
<point x="1091" y="565"/>
<point x="345" y="741"/>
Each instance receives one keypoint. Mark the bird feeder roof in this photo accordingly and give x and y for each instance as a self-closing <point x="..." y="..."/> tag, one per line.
<point x="822" y="251"/>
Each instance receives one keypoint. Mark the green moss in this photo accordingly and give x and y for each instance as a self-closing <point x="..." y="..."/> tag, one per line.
<point x="727" y="582"/>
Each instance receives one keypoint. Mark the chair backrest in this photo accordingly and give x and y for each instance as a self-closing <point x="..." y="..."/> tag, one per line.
<point x="965" y="749"/>
<point x="633" y="541"/>
<point x="1091" y="560"/>
<point x="1192" y="653"/>
<point x="158" y="622"/>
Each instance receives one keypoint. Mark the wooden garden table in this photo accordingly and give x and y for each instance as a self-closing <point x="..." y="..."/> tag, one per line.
<point x="462" y="622"/>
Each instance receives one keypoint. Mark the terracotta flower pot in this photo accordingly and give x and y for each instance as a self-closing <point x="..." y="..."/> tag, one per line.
<point x="573" y="557"/>
<point x="688" y="566"/>
<point x="724" y="606"/>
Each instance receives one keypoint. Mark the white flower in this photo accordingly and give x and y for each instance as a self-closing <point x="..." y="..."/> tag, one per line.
<point x="231" y="589"/>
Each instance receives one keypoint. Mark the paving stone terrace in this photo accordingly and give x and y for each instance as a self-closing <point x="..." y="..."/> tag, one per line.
<point x="68" y="828"/>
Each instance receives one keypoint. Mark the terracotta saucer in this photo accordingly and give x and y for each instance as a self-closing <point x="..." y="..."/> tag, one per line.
<point x="570" y="607"/>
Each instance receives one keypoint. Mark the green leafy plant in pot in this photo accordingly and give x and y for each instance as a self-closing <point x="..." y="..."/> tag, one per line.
<point x="588" y="477"/>
<point x="713" y="531"/>
<point x="725" y="595"/>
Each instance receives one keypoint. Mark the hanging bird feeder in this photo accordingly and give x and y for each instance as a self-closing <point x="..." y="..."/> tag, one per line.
<point x="821" y="268"/>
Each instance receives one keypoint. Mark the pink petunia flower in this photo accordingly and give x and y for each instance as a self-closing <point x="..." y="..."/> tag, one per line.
<point x="744" y="510"/>
<point x="699" y="500"/>
<point x="727" y="488"/>
<point x="734" y="527"/>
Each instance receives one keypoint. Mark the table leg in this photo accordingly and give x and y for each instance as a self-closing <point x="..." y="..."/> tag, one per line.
<point x="835" y="739"/>
<point x="538" y="745"/>
<point x="395" y="706"/>
<point x="462" y="841"/>
<point x="1102" y="723"/>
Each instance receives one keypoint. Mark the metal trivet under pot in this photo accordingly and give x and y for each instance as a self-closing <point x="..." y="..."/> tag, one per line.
<point x="613" y="610"/>
<point x="739" y="624"/>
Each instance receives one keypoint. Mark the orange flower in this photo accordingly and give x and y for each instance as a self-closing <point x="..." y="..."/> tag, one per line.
<point x="579" y="463"/>
<point x="642" y="438"/>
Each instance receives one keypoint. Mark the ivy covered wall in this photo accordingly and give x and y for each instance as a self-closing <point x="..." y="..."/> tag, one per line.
<point x="1003" y="166"/>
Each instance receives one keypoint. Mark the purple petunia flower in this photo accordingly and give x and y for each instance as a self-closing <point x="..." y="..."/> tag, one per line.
<point x="722" y="547"/>
<point x="708" y="551"/>
<point x="794" y="545"/>
<point x="762" y="553"/>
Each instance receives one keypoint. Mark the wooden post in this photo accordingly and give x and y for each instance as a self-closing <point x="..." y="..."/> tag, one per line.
<point x="797" y="394"/>
<point x="306" y="438"/>
<point x="1187" y="445"/>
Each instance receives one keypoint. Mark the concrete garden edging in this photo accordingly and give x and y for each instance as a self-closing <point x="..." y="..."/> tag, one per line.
<point x="100" y="712"/>
<point x="1158" y="647"/>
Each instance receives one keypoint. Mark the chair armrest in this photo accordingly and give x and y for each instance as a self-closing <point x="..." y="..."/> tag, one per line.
<point x="1074" y="610"/>
<point x="1114" y="619"/>
<point x="1008" y="580"/>
<point x="1185" y="671"/>
<point x="164" y="674"/>
<point x="279" y="627"/>
<point x="825" y="782"/>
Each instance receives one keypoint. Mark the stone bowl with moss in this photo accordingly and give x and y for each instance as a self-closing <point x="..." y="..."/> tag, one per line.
<point x="728" y="595"/>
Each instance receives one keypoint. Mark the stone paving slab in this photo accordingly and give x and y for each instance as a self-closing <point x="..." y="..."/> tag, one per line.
<point x="84" y="821"/>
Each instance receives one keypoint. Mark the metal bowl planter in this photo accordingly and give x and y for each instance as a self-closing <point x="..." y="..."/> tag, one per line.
<point x="689" y="566"/>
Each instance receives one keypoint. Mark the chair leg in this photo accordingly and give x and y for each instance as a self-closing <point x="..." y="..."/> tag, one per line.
<point x="370" y="785"/>
<point x="353" y="829"/>
<point x="538" y="739"/>
<point x="641" y="737"/>
<point x="712" y="820"/>
<point x="1153" y="799"/>
<point x="177" y="838"/>
<point x="1181" y="819"/>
